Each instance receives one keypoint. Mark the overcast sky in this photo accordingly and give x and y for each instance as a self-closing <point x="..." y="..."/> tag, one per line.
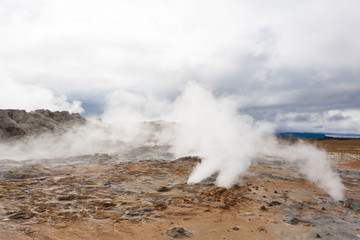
<point x="293" y="63"/>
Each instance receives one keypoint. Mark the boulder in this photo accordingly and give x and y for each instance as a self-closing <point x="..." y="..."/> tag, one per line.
<point x="178" y="232"/>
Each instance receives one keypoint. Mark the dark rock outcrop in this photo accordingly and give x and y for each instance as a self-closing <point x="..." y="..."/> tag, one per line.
<point x="17" y="123"/>
<point x="178" y="232"/>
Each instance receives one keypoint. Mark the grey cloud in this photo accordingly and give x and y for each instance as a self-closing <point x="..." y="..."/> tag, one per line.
<point x="302" y="118"/>
<point x="284" y="69"/>
<point x="338" y="117"/>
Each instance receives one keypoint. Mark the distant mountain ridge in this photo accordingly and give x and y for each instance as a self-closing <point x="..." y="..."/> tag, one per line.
<point x="316" y="135"/>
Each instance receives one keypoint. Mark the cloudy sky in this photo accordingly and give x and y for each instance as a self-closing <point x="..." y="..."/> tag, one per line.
<point x="293" y="63"/>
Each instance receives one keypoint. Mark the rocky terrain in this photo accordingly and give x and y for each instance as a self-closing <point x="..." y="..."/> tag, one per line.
<point x="141" y="193"/>
<point x="125" y="197"/>
<point x="17" y="123"/>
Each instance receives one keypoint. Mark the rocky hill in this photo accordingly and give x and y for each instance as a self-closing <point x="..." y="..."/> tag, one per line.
<point x="15" y="123"/>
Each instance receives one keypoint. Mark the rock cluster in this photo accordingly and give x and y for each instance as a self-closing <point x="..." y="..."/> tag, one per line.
<point x="178" y="232"/>
<point x="17" y="123"/>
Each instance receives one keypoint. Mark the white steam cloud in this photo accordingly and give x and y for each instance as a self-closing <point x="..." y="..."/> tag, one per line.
<point x="228" y="142"/>
<point x="196" y="123"/>
<point x="14" y="95"/>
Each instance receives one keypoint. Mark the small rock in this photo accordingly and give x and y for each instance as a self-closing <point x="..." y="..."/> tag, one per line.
<point x="296" y="206"/>
<point x="263" y="208"/>
<point x="163" y="189"/>
<point x="318" y="235"/>
<point x="274" y="203"/>
<point x="178" y="232"/>
<point x="262" y="229"/>
<point x="139" y="212"/>
<point x="189" y="159"/>
<point x="108" y="205"/>
<point x="134" y="214"/>
<point x="66" y="198"/>
<point x="294" y="221"/>
<point x="147" y="209"/>
<point x="22" y="215"/>
<point x="160" y="206"/>
<point x="236" y="228"/>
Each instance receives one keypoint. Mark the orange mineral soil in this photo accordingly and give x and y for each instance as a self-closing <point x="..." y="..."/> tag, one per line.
<point x="103" y="197"/>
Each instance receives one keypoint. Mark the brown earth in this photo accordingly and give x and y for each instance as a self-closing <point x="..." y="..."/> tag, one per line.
<point x="105" y="197"/>
<point x="338" y="145"/>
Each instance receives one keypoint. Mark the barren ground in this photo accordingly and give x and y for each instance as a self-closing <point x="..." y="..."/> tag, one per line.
<point x="141" y="196"/>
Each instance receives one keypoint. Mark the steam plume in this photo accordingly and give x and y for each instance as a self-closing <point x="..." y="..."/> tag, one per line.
<point x="201" y="124"/>
<point x="228" y="142"/>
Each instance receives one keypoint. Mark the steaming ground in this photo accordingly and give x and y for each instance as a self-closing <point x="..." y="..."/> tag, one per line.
<point x="196" y="123"/>
<point x="144" y="195"/>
